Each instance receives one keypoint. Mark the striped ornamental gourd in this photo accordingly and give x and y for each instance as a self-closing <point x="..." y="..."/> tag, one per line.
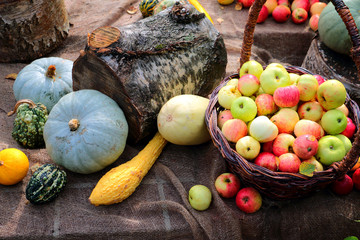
<point x="147" y="7"/>
<point x="45" y="184"/>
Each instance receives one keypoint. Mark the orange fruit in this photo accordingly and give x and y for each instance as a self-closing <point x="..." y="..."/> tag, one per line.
<point x="356" y="166"/>
<point x="14" y="166"/>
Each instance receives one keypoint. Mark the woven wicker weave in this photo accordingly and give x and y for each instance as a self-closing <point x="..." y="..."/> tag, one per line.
<point x="282" y="185"/>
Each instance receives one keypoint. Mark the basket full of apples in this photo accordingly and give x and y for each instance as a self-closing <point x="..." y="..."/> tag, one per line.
<point x="282" y="129"/>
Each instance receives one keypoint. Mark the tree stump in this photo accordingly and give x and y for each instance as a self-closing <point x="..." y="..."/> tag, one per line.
<point x="31" y="29"/>
<point x="142" y="65"/>
<point x="324" y="61"/>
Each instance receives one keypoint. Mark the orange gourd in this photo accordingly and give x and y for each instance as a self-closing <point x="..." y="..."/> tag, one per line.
<point x="14" y="166"/>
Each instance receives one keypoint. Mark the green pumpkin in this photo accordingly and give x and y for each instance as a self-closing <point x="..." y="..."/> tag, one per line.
<point x="332" y="29"/>
<point x="147" y="7"/>
<point x="45" y="184"/>
<point x="44" y="80"/>
<point x="85" y="131"/>
<point x="29" y="123"/>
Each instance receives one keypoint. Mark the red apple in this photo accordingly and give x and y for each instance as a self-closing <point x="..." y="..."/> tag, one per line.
<point x="313" y="1"/>
<point x="356" y="179"/>
<point x="299" y="15"/>
<point x="289" y="162"/>
<point x="342" y="186"/>
<point x="223" y="117"/>
<point x="305" y="4"/>
<point x="319" y="78"/>
<point x="265" y="104"/>
<point x="281" y="13"/>
<point x="247" y="3"/>
<point x="286" y="96"/>
<point x="305" y="126"/>
<point x="314" y="22"/>
<point x="234" y="129"/>
<point x="263" y="15"/>
<point x="248" y="200"/>
<point x="284" y="2"/>
<point x="227" y="185"/>
<point x="267" y="146"/>
<point x="248" y="84"/>
<point x="285" y="119"/>
<point x="350" y="128"/>
<point x="311" y="110"/>
<point x="305" y="146"/>
<point x="283" y="143"/>
<point x="267" y="160"/>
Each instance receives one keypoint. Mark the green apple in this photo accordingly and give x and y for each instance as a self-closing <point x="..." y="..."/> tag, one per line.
<point x="278" y="65"/>
<point x="263" y="130"/>
<point x="294" y="78"/>
<point x="244" y="108"/>
<point x="333" y="121"/>
<point x="272" y="78"/>
<point x="307" y="85"/>
<point x="227" y="94"/>
<point x="251" y="67"/>
<point x="248" y="84"/>
<point x="248" y="147"/>
<point x="346" y="141"/>
<point x="331" y="149"/>
<point x="331" y="94"/>
<point x="200" y="197"/>
<point x="233" y="82"/>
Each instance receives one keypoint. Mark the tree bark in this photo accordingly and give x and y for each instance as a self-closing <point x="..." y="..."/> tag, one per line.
<point x="30" y="29"/>
<point x="144" y="64"/>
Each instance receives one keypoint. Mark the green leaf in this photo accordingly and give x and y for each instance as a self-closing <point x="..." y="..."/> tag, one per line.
<point x="307" y="169"/>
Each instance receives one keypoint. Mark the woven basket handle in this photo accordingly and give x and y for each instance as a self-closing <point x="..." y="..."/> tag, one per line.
<point x="340" y="7"/>
<point x="344" y="166"/>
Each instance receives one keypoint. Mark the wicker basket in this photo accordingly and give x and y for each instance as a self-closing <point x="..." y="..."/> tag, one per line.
<point x="282" y="185"/>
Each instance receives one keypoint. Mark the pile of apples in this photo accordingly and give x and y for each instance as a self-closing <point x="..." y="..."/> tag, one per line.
<point x="284" y="121"/>
<point x="282" y="10"/>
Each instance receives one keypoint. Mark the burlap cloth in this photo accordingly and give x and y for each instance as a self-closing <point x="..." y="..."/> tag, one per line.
<point x="159" y="208"/>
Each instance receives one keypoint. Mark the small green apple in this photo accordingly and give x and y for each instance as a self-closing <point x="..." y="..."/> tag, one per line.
<point x="318" y="166"/>
<point x="346" y="141"/>
<point x="294" y="78"/>
<point x="244" y="108"/>
<point x="248" y="147"/>
<point x="307" y="85"/>
<point x="200" y="197"/>
<point x="334" y="121"/>
<point x="274" y="64"/>
<point x="233" y="82"/>
<point x="331" y="94"/>
<point x="227" y="94"/>
<point x="331" y="149"/>
<point x="251" y="67"/>
<point x="273" y="78"/>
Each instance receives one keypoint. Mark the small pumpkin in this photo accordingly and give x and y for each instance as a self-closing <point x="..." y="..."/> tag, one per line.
<point x="29" y="123"/>
<point x="14" y="165"/>
<point x="44" y="80"/>
<point x="85" y="131"/>
<point x="45" y="184"/>
<point x="332" y="30"/>
<point x="147" y="7"/>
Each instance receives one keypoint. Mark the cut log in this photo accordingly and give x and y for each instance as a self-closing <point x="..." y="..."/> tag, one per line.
<point x="144" y="64"/>
<point x="31" y="29"/>
<point x="324" y="61"/>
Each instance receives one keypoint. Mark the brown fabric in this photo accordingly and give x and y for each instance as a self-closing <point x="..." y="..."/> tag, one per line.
<point x="159" y="208"/>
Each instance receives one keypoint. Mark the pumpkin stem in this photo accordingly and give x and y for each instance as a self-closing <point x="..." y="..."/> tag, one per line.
<point x="18" y="103"/>
<point x="74" y="124"/>
<point x="51" y="72"/>
<point x="1" y="163"/>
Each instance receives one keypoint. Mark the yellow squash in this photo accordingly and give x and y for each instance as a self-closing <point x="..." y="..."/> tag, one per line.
<point x="120" y="182"/>
<point x="200" y="8"/>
